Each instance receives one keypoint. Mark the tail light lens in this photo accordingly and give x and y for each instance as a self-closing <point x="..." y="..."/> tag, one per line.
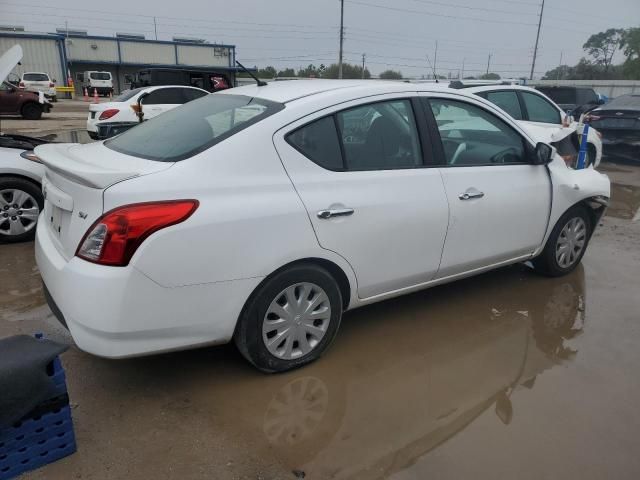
<point x="51" y="84"/>
<point x="21" y="85"/>
<point x="108" y="113"/>
<point x="115" y="237"/>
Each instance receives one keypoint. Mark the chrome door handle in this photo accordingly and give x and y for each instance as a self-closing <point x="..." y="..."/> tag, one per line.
<point x="471" y="194"/>
<point x="338" y="212"/>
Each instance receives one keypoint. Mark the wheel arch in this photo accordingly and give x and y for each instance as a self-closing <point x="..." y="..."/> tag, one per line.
<point x="21" y="176"/>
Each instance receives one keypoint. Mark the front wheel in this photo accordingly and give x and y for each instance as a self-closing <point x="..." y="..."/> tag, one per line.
<point x="31" y="111"/>
<point x="290" y="320"/>
<point x="566" y="244"/>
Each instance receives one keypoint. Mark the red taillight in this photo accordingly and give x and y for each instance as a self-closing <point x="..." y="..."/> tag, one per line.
<point x="108" y="113"/>
<point x="21" y="85"/>
<point x="115" y="237"/>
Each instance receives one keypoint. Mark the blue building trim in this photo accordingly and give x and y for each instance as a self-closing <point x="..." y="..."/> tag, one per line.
<point x="62" y="51"/>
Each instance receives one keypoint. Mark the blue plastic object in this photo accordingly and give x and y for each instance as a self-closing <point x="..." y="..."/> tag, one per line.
<point x="42" y="437"/>
<point x="582" y="156"/>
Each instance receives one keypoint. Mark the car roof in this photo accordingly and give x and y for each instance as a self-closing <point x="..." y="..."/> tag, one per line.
<point x="491" y="88"/>
<point x="289" y="90"/>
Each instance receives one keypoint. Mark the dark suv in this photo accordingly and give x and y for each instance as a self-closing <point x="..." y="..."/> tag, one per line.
<point x="573" y="100"/>
<point x="14" y="101"/>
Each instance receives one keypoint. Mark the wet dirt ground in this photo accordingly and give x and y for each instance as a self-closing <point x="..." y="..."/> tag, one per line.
<point x="505" y="375"/>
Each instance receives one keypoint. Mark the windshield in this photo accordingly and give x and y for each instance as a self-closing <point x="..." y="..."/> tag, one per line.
<point x="127" y="94"/>
<point x="100" y="75"/>
<point x="35" y="77"/>
<point x="193" y="127"/>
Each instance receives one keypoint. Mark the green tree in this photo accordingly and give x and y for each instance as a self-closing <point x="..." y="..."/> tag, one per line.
<point x="490" y="76"/>
<point x="631" y="45"/>
<point x="309" y="72"/>
<point x="268" y="72"/>
<point x="348" y="71"/>
<point x="391" y="75"/>
<point x="287" y="72"/>
<point x="603" y="45"/>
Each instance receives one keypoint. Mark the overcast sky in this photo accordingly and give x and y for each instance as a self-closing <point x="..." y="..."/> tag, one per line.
<point x="393" y="34"/>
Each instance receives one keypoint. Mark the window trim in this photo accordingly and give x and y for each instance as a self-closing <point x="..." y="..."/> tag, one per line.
<point x="427" y="156"/>
<point x="426" y="104"/>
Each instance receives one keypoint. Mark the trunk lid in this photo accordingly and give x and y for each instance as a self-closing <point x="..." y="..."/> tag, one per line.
<point x="75" y="179"/>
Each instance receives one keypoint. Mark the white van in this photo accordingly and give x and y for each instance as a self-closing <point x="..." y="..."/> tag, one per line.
<point x="102" y="82"/>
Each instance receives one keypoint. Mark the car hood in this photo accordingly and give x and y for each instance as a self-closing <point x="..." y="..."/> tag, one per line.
<point x="9" y="60"/>
<point x="546" y="133"/>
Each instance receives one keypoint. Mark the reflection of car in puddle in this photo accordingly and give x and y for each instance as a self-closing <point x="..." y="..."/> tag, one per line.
<point x="420" y="375"/>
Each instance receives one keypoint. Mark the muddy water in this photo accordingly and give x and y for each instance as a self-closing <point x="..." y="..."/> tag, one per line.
<point x="506" y="375"/>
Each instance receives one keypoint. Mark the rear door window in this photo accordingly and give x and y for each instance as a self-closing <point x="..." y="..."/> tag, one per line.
<point x="319" y="142"/>
<point x="192" y="94"/>
<point x="507" y="100"/>
<point x="539" y="109"/>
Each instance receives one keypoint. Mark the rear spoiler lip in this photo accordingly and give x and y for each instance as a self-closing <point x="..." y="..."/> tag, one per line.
<point x="58" y="158"/>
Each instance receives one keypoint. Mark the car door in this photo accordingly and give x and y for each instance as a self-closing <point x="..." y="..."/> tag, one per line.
<point x="499" y="203"/>
<point x="162" y="100"/>
<point x="364" y="174"/>
<point x="9" y="99"/>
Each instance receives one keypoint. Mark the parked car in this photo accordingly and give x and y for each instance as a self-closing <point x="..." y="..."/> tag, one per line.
<point x="211" y="81"/>
<point x="39" y="82"/>
<point x="16" y="101"/>
<point x="21" y="199"/>
<point x="153" y="102"/>
<point x="101" y="82"/>
<point x="573" y="100"/>
<point x="619" y="123"/>
<point x="261" y="213"/>
<point x="536" y="111"/>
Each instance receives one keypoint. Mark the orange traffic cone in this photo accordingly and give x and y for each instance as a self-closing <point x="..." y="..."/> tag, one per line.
<point x="85" y="95"/>
<point x="95" y="96"/>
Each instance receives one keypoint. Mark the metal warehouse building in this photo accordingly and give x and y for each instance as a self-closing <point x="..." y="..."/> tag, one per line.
<point x="60" y="54"/>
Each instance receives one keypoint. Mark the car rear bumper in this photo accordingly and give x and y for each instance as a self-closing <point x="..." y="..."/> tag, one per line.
<point x="118" y="312"/>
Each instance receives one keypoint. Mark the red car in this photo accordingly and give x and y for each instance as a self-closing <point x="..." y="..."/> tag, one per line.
<point x="14" y="101"/>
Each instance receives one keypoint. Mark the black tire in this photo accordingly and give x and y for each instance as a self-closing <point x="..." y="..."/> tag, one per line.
<point x="31" y="111"/>
<point x="34" y="191"/>
<point x="546" y="263"/>
<point x="248" y="335"/>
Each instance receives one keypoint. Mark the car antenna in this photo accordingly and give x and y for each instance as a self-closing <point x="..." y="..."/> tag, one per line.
<point x="246" y="70"/>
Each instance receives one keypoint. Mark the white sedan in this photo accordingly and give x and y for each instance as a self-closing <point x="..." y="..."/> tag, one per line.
<point x="262" y="213"/>
<point x="153" y="101"/>
<point x="537" y="113"/>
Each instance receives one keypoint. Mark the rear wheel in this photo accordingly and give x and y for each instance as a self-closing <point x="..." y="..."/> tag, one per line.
<point x="20" y="204"/>
<point x="291" y="319"/>
<point x="566" y="244"/>
<point x="31" y="111"/>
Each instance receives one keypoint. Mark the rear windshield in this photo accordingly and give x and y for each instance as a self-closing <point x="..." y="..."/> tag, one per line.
<point x="559" y="95"/>
<point x="100" y="75"/>
<point x="36" y="77"/>
<point x="127" y="94"/>
<point x="193" y="127"/>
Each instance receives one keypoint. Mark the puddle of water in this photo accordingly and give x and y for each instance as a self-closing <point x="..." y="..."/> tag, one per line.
<point x="625" y="201"/>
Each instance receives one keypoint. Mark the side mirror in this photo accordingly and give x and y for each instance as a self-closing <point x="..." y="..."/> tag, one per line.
<point x="542" y="155"/>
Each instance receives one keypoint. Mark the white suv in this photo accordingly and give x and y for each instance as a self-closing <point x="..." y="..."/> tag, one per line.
<point x="39" y="82"/>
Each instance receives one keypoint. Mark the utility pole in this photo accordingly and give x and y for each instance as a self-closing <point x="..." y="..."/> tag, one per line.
<point x="364" y="55"/>
<point x="489" y="63"/>
<point x="435" y="61"/>
<point x="559" y="66"/>
<point x="341" y="38"/>
<point x="155" y="27"/>
<point x="535" y="49"/>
